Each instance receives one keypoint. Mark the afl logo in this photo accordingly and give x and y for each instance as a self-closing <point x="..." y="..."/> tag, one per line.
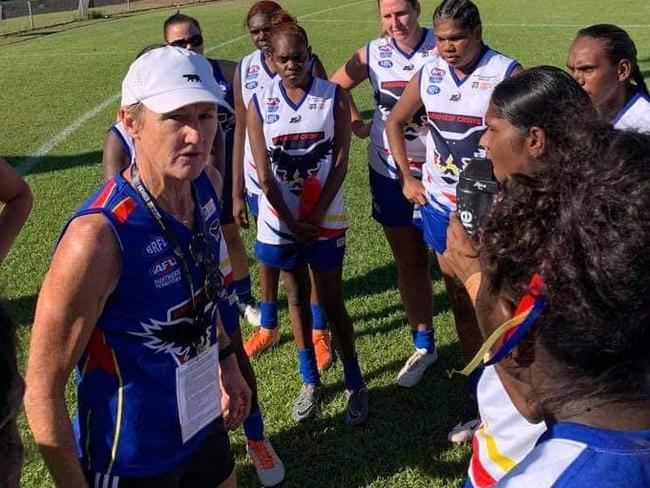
<point x="385" y="47"/>
<point x="253" y="69"/>
<point x="386" y="63"/>
<point x="437" y="72"/>
<point x="433" y="90"/>
<point x="163" y="267"/>
<point x="251" y="85"/>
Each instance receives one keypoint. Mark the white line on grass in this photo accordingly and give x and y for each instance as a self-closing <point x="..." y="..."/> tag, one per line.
<point x="28" y="163"/>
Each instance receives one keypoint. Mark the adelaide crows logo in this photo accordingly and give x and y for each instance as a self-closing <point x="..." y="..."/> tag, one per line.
<point x="179" y="335"/>
<point x="293" y="169"/>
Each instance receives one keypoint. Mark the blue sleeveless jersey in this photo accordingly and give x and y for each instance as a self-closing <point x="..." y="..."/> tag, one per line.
<point x="226" y="117"/>
<point x="128" y="418"/>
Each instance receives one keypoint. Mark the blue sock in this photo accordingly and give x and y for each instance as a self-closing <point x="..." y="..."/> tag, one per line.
<point x="318" y="321"/>
<point x="352" y="374"/>
<point x="307" y="366"/>
<point x="414" y="334"/>
<point x="424" y="340"/>
<point x="243" y="289"/>
<point x="269" y="318"/>
<point x="254" y="426"/>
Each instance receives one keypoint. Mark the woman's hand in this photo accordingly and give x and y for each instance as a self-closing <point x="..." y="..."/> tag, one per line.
<point x="361" y="129"/>
<point x="236" y="394"/>
<point x="304" y="231"/>
<point x="413" y="190"/>
<point x="240" y="212"/>
<point x="460" y="252"/>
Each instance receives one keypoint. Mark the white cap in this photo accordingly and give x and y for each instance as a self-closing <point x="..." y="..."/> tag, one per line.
<point x="168" y="78"/>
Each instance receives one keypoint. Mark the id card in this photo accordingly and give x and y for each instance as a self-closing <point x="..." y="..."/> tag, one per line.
<point x="198" y="393"/>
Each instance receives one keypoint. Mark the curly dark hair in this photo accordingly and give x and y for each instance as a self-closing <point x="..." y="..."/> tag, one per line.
<point x="586" y="228"/>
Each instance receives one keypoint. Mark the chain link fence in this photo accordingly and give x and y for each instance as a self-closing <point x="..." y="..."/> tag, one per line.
<point x="19" y="16"/>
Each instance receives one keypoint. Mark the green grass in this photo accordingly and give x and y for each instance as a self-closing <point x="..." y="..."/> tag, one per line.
<point x="51" y="80"/>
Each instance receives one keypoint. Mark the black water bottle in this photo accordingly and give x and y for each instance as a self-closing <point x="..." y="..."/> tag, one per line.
<point x="476" y="189"/>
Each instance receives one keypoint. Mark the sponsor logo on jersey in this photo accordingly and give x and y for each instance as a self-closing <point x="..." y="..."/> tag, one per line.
<point x="385" y="48"/>
<point x="155" y="246"/>
<point x="251" y="76"/>
<point x="272" y="118"/>
<point x="209" y="209"/>
<point x="340" y="242"/>
<point x="272" y="104"/>
<point x="251" y="85"/>
<point x="316" y="103"/>
<point x="455" y="97"/>
<point x="482" y="85"/>
<point x="215" y="229"/>
<point x="253" y="69"/>
<point x="295" y="119"/>
<point x="433" y="90"/>
<point x="467" y="120"/>
<point x="386" y="63"/>
<point x="435" y="79"/>
<point x="165" y="272"/>
<point x="437" y="72"/>
<point x="300" y="140"/>
<point x="163" y="266"/>
<point x="386" y="54"/>
<point x="408" y="67"/>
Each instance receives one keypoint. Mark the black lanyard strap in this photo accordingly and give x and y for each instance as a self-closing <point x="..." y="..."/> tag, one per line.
<point x="150" y="203"/>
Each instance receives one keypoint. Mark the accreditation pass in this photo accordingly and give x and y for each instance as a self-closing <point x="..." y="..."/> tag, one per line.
<point x="197" y="392"/>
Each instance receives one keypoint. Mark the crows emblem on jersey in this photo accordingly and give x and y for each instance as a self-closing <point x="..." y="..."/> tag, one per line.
<point x="293" y="169"/>
<point x="180" y="335"/>
<point x="386" y="100"/>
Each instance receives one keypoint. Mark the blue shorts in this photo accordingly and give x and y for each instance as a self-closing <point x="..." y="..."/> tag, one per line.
<point x="389" y="206"/>
<point x="253" y="204"/>
<point x="434" y="225"/>
<point x="321" y="256"/>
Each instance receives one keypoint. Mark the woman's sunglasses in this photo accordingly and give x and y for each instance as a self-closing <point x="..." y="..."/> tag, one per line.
<point x="194" y="41"/>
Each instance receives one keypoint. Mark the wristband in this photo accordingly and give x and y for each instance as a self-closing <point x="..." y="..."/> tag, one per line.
<point x="225" y="352"/>
<point x="472" y="284"/>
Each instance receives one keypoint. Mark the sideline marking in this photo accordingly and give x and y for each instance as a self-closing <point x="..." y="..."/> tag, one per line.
<point x="32" y="160"/>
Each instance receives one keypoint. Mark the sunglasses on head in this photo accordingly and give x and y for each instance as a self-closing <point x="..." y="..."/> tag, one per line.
<point x="194" y="41"/>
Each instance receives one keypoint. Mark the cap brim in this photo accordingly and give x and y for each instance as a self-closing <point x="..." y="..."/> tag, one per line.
<point x="170" y="101"/>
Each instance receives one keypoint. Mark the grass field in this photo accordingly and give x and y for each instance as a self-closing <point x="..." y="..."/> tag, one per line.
<point x="59" y="95"/>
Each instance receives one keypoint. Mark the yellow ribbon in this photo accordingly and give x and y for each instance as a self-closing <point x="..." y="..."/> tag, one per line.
<point x="483" y="353"/>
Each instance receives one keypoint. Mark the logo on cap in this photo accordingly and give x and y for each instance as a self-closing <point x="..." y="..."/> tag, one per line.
<point x="195" y="78"/>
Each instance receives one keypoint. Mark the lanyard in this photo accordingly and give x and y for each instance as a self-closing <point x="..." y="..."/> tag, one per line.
<point x="169" y="234"/>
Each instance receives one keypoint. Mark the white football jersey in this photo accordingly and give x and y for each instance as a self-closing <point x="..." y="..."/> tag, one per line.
<point x="389" y="71"/>
<point x="299" y="140"/>
<point x="254" y="77"/>
<point x="635" y="115"/>
<point x="456" y="119"/>
<point x="504" y="438"/>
